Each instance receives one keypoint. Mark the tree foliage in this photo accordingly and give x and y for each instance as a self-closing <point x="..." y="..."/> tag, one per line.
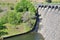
<point x="11" y="17"/>
<point x="3" y="33"/>
<point x="2" y="28"/>
<point x="14" y="16"/>
<point x="24" y="5"/>
<point x="1" y="10"/>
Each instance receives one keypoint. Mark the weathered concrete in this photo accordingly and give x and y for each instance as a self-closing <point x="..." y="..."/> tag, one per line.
<point x="50" y="24"/>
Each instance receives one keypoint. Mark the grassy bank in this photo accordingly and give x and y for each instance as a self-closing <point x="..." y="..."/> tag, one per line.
<point x="16" y="18"/>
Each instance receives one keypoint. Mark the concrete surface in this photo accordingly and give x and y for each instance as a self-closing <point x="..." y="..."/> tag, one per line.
<point x="50" y="24"/>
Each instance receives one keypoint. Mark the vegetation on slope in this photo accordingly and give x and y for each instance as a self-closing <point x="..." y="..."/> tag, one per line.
<point x="18" y="19"/>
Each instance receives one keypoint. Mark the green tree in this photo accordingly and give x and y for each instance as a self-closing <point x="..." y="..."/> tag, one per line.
<point x="14" y="17"/>
<point x="24" y="5"/>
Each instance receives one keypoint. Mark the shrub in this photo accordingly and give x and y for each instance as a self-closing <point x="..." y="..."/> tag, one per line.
<point x="1" y="10"/>
<point x="12" y="8"/>
<point x="2" y="27"/>
<point x="49" y="1"/>
<point x="24" y="5"/>
<point x="11" y="17"/>
<point x="14" y="17"/>
<point x="3" y="33"/>
<point x="2" y="21"/>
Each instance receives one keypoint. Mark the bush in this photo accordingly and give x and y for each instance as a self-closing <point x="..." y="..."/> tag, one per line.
<point x="1" y="10"/>
<point x="14" y="17"/>
<point x="12" y="8"/>
<point x="3" y="20"/>
<point x="11" y="17"/>
<point x="2" y="27"/>
<point x="3" y="33"/>
<point x="24" y="5"/>
<point x="49" y="1"/>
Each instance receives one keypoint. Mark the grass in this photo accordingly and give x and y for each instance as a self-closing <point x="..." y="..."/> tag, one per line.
<point x="12" y="29"/>
<point x="15" y="29"/>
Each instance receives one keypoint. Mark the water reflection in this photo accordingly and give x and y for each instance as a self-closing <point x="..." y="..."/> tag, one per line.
<point x="29" y="36"/>
<point x="38" y="36"/>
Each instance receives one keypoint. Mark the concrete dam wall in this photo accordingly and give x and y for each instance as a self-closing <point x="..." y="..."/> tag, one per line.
<point x="50" y="23"/>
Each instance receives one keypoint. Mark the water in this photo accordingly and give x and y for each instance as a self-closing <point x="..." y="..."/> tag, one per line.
<point x="29" y="36"/>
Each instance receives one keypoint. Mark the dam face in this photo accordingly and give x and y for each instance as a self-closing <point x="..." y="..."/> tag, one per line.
<point x="50" y="24"/>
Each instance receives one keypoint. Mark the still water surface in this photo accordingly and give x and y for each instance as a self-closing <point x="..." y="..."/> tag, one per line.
<point x="29" y="36"/>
